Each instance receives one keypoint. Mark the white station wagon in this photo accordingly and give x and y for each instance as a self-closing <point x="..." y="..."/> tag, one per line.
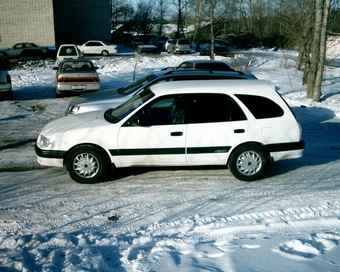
<point x="242" y="124"/>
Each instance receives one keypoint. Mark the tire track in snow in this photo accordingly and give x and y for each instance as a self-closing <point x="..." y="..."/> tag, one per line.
<point x="290" y="220"/>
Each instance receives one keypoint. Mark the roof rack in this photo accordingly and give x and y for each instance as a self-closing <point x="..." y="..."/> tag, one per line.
<point x="210" y="71"/>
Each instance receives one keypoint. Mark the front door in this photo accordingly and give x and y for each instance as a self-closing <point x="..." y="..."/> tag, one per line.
<point x="155" y="135"/>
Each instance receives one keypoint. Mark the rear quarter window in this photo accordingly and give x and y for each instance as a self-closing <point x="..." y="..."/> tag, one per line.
<point x="261" y="107"/>
<point x="210" y="108"/>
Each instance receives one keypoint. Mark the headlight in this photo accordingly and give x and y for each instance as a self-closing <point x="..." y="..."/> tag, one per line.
<point x="46" y="141"/>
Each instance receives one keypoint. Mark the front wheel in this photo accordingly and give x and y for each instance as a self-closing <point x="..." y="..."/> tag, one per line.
<point x="87" y="164"/>
<point x="248" y="162"/>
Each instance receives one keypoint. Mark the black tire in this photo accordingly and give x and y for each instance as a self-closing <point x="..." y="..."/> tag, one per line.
<point x="105" y="53"/>
<point x="248" y="162"/>
<point x="58" y="94"/>
<point x="87" y="164"/>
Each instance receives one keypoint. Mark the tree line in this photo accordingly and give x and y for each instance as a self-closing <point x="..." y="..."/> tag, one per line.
<point x="303" y="25"/>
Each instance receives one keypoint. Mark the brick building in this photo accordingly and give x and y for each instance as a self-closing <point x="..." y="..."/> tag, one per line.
<point x="53" y="22"/>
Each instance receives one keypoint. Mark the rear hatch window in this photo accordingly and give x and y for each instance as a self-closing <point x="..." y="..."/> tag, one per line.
<point x="183" y="41"/>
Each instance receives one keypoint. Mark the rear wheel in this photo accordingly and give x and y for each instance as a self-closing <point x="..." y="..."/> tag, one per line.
<point x="248" y="162"/>
<point x="87" y="164"/>
<point x="105" y="53"/>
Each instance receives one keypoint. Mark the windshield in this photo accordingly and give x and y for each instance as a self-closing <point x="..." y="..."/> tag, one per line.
<point x="117" y="114"/>
<point x="134" y="86"/>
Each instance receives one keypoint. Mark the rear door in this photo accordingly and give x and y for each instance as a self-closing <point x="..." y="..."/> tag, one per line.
<point x="215" y="124"/>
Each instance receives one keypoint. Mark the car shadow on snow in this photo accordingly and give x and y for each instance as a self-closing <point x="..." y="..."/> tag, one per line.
<point x="321" y="135"/>
<point x="34" y="92"/>
<point x="121" y="173"/>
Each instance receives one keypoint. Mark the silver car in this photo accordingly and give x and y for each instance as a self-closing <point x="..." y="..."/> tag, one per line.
<point x="113" y="98"/>
<point x="179" y="46"/>
<point x="76" y="76"/>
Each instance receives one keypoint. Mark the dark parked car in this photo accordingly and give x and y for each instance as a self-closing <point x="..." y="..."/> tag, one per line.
<point x="136" y="41"/>
<point x="161" y="40"/>
<point x="219" y="50"/>
<point x="30" y="54"/>
<point x="5" y="59"/>
<point x="5" y="81"/>
<point x="265" y="42"/>
<point x="147" y="49"/>
<point x="205" y="65"/>
<point x="15" y="51"/>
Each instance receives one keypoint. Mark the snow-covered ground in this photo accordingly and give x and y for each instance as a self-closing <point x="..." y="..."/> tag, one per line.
<point x="170" y="219"/>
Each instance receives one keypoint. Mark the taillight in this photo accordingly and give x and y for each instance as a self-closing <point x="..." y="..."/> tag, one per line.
<point x="78" y="79"/>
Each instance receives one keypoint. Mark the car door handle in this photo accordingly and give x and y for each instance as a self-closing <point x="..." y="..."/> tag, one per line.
<point x="178" y="133"/>
<point x="241" y="130"/>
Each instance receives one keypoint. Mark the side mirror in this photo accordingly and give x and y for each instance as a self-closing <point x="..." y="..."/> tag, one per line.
<point x="132" y="122"/>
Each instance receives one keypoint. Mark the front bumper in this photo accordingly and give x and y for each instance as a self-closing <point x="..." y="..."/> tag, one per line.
<point x="50" y="157"/>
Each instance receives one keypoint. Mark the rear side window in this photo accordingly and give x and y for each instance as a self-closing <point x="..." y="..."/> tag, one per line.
<point x="209" y="108"/>
<point x="93" y="44"/>
<point x="261" y="107"/>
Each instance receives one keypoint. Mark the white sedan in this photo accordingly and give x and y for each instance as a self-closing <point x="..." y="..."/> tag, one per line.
<point x="98" y="47"/>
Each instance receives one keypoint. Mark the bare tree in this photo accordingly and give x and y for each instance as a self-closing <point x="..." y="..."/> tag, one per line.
<point x="180" y="6"/>
<point x="296" y="19"/>
<point x="198" y="4"/>
<point x="315" y="73"/>
<point x="160" y="12"/>
<point x="144" y="18"/>
<point x="212" y="6"/>
<point x="255" y="14"/>
<point x="121" y="11"/>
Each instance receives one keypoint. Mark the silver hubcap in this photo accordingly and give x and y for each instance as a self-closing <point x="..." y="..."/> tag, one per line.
<point x="86" y="165"/>
<point x="249" y="163"/>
